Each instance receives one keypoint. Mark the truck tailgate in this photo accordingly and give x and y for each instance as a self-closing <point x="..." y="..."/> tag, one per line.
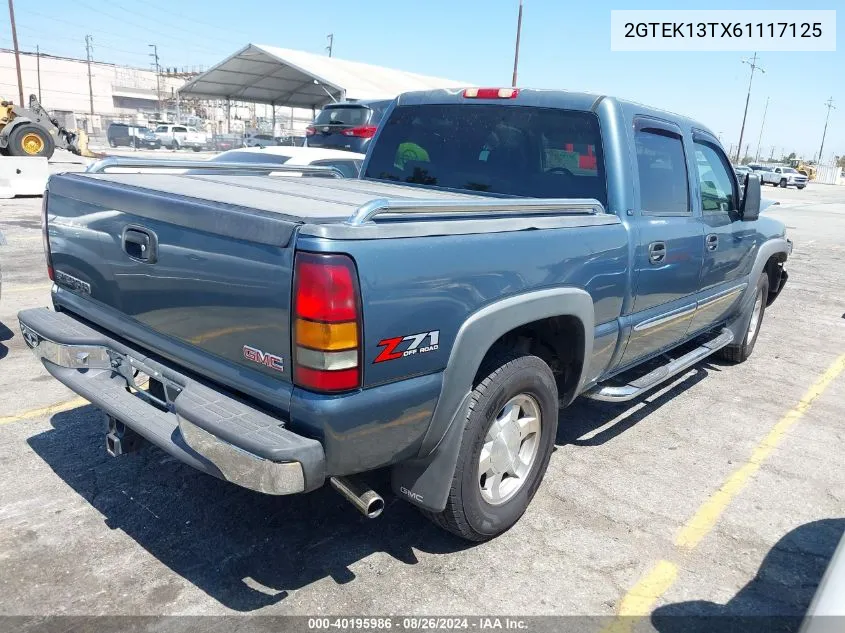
<point x="176" y="270"/>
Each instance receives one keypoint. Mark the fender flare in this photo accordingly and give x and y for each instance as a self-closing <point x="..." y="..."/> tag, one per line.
<point x="739" y="326"/>
<point x="426" y="479"/>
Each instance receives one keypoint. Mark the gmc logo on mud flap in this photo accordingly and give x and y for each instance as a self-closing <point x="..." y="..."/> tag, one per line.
<point x="255" y="355"/>
<point x="413" y="495"/>
<point x="395" y="347"/>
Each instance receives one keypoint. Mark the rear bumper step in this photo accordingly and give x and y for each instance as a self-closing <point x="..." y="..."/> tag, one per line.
<point x="621" y="393"/>
<point x="201" y="427"/>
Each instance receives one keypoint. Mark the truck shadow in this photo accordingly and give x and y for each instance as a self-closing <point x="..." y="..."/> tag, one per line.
<point x="778" y="596"/>
<point x="244" y="549"/>
<point x="5" y="335"/>
<point x="592" y="422"/>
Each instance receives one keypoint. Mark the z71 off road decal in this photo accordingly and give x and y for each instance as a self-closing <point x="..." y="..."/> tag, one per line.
<point x="402" y="346"/>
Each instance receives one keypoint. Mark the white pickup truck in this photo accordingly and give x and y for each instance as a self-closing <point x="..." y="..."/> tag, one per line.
<point x="780" y="176"/>
<point x="182" y="136"/>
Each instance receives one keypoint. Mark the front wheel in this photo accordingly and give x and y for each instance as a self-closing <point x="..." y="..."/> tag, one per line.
<point x="783" y="183"/>
<point x="30" y="140"/>
<point x="505" y="449"/>
<point x="174" y="146"/>
<point x="800" y="186"/>
<point x="739" y="353"/>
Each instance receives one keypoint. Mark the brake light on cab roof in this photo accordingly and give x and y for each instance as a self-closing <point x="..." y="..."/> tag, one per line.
<point x="491" y="93"/>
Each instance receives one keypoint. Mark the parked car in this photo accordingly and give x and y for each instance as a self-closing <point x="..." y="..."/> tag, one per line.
<point x="255" y="139"/>
<point x="784" y="177"/>
<point x="348" y="163"/>
<point x="181" y="136"/>
<point x="500" y="256"/>
<point x="742" y="171"/>
<point x="292" y="141"/>
<point x="124" y="134"/>
<point x="223" y="142"/>
<point x="346" y="125"/>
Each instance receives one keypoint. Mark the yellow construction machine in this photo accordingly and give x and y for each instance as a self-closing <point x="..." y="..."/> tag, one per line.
<point x="803" y="168"/>
<point x="33" y="132"/>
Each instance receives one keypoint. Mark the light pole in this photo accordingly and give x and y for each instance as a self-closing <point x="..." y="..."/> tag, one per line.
<point x="760" y="138"/>
<point x="754" y="66"/>
<point x="17" y="52"/>
<point x="829" y="105"/>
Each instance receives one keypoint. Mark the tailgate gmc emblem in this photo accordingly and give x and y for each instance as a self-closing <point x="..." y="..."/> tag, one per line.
<point x="255" y="355"/>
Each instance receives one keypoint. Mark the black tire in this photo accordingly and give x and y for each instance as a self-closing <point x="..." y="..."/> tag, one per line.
<point x="467" y="513"/>
<point x="800" y="186"/>
<point x="23" y="134"/>
<point x="111" y="143"/>
<point x="783" y="183"/>
<point x="739" y="353"/>
<point x="197" y="149"/>
<point x="174" y="145"/>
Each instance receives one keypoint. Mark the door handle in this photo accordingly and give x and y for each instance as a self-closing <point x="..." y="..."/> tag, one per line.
<point x="712" y="242"/>
<point x="656" y="252"/>
<point x="140" y="244"/>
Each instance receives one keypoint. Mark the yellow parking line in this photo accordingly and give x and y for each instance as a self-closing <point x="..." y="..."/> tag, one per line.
<point x="44" y="411"/>
<point x="642" y="597"/>
<point x="708" y="514"/>
<point x="640" y="600"/>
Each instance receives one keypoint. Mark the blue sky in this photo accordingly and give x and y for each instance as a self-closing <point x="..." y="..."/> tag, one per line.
<point x="564" y="45"/>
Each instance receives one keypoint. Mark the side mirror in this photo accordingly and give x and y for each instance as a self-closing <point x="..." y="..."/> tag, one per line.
<point x="750" y="207"/>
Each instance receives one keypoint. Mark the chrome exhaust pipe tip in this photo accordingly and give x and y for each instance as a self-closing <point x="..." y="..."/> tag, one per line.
<point x="366" y="500"/>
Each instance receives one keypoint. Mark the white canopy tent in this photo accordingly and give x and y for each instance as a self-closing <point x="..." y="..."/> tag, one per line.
<point x="284" y="77"/>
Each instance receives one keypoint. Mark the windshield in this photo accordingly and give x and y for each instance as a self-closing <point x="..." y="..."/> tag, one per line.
<point x="509" y="150"/>
<point x="343" y="115"/>
<point x="250" y="157"/>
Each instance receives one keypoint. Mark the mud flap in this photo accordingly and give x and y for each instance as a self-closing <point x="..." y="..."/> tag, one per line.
<point x="426" y="481"/>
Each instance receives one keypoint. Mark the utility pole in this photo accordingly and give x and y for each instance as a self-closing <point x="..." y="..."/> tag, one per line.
<point x="516" y="48"/>
<point x="154" y="55"/>
<point x="760" y="138"/>
<point x="89" y="51"/>
<point x="829" y="105"/>
<point x="754" y="66"/>
<point x="330" y="38"/>
<point x="38" y="69"/>
<point x="17" y="52"/>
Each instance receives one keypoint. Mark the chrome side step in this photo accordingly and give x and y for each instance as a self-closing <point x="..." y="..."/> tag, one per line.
<point x="620" y="393"/>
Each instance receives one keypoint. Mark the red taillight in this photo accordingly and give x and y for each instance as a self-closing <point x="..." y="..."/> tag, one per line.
<point x="364" y="131"/>
<point x="45" y="237"/>
<point x="491" y="93"/>
<point x="326" y="324"/>
<point x="310" y="130"/>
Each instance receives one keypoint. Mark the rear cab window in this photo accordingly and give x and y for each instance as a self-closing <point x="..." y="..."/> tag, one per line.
<point x="503" y="150"/>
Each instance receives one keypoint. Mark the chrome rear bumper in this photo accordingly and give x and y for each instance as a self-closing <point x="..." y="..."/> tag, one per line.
<point x="204" y="428"/>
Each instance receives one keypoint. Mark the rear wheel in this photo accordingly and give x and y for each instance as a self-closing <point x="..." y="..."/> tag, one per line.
<point x="800" y="186"/>
<point x="30" y="140"/>
<point x="505" y="448"/>
<point x="740" y="353"/>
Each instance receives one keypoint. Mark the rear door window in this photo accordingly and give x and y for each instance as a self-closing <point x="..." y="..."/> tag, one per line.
<point x="505" y="150"/>
<point x="662" y="167"/>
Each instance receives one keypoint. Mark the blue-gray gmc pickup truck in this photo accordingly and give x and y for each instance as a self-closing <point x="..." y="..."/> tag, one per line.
<point x="504" y="252"/>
